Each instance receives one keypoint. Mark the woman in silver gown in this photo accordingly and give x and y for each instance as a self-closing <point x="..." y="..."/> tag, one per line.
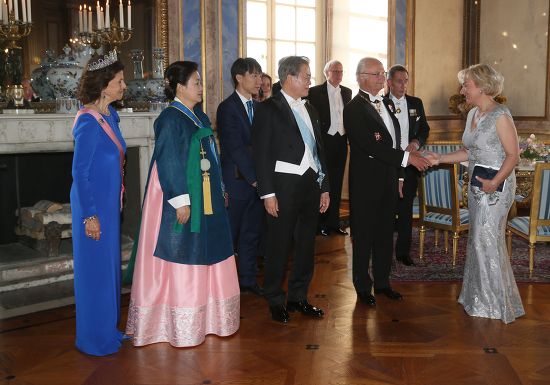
<point x="489" y="289"/>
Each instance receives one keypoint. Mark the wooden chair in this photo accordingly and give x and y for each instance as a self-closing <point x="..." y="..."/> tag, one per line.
<point x="439" y="204"/>
<point x="536" y="227"/>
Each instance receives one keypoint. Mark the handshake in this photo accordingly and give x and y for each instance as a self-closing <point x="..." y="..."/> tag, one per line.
<point x="424" y="160"/>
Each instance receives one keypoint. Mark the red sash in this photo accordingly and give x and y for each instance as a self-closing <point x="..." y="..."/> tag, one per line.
<point x="109" y="131"/>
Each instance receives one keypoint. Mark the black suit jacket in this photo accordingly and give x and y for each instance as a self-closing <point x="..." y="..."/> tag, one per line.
<point x="418" y="125"/>
<point x="276" y="137"/>
<point x="373" y="160"/>
<point x="318" y="96"/>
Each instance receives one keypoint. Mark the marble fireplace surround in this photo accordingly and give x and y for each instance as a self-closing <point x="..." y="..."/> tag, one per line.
<point x="37" y="133"/>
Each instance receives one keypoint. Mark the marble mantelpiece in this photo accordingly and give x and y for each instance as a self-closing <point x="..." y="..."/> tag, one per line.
<point x="53" y="133"/>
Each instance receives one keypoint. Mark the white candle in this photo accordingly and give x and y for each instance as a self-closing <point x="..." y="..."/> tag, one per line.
<point x="101" y="18"/>
<point x="85" y="19"/>
<point x="24" y="6"/>
<point x="16" y="8"/>
<point x="121" y="14"/>
<point x="97" y="13"/>
<point x="80" y="26"/>
<point x="10" y="6"/>
<point x="107" y="17"/>
<point x="90" y="19"/>
<point x="5" y="12"/>
<point x="2" y="12"/>
<point x="29" y="16"/>
<point x="129" y="15"/>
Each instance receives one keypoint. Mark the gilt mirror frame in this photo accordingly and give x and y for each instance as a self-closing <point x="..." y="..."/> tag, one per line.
<point x="474" y="40"/>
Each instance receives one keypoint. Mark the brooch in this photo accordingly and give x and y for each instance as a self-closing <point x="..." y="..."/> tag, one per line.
<point x="377" y="136"/>
<point x="412" y="112"/>
<point x="390" y="106"/>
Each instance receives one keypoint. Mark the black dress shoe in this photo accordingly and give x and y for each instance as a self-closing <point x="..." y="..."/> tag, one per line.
<point x="305" y="308"/>
<point x="405" y="260"/>
<point x="254" y="289"/>
<point x="389" y="292"/>
<point x="324" y="232"/>
<point x="341" y="232"/>
<point x="279" y="313"/>
<point x="366" y="298"/>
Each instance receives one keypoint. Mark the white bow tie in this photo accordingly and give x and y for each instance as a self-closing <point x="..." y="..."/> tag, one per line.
<point x="375" y="99"/>
<point x="297" y="103"/>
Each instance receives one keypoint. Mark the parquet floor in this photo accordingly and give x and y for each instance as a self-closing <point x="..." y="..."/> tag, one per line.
<point x="425" y="339"/>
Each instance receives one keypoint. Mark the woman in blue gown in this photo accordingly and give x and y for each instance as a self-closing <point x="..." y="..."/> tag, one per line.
<point x="96" y="204"/>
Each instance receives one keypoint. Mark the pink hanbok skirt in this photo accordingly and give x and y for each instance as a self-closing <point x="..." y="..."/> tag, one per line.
<point x="177" y="303"/>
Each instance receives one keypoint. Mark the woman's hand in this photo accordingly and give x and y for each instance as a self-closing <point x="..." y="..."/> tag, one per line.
<point x="433" y="157"/>
<point x="92" y="228"/>
<point x="488" y="186"/>
<point x="182" y="214"/>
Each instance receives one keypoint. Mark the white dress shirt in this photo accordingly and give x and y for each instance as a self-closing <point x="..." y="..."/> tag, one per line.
<point x="402" y="114"/>
<point x="307" y="161"/>
<point x="385" y="115"/>
<point x="244" y="100"/>
<point x="336" y="110"/>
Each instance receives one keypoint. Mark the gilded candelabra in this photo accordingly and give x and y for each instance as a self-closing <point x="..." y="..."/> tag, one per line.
<point x="14" y="30"/>
<point x="114" y="36"/>
<point x="93" y="39"/>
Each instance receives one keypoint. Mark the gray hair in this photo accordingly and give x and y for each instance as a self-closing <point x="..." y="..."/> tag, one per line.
<point x="396" y="68"/>
<point x="362" y="64"/>
<point x="330" y="64"/>
<point x="485" y="77"/>
<point x="291" y="65"/>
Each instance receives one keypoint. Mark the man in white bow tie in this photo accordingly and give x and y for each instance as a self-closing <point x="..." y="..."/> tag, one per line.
<point x="376" y="165"/>
<point x="292" y="182"/>
<point x="409" y="110"/>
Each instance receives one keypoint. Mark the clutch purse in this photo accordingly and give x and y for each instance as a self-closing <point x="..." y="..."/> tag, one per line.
<point x="485" y="172"/>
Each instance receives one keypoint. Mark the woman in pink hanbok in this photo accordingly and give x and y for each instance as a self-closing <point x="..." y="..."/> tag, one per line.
<point x="185" y="283"/>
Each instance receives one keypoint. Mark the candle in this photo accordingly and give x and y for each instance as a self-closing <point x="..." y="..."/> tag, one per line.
<point x="2" y="12"/>
<point x="121" y="14"/>
<point x="16" y="8"/>
<point x="24" y="6"/>
<point x="90" y="19"/>
<point x="80" y="26"/>
<point x="85" y="19"/>
<point x="101" y="17"/>
<point x="5" y="12"/>
<point x="107" y="18"/>
<point x="129" y="15"/>
<point x="29" y="17"/>
<point x="97" y="13"/>
<point x="10" y="9"/>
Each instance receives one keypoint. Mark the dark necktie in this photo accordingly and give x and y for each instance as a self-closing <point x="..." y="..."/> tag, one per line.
<point x="249" y="110"/>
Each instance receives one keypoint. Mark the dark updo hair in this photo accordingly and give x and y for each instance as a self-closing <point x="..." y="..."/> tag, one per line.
<point x="178" y="72"/>
<point x="93" y="82"/>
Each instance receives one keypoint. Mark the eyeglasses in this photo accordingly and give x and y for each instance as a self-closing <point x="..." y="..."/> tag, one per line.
<point x="374" y="73"/>
<point x="336" y="71"/>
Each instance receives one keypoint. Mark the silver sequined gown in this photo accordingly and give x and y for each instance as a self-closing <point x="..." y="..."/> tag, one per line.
<point x="489" y="289"/>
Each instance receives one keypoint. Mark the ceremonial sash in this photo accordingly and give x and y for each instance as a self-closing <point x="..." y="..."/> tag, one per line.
<point x="111" y="134"/>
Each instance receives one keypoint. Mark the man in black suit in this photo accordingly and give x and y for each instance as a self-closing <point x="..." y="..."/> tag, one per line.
<point x="329" y="100"/>
<point x="290" y="166"/>
<point x="376" y="163"/>
<point x="246" y="213"/>
<point x="409" y="111"/>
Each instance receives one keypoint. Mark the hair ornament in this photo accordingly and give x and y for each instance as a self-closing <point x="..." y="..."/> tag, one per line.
<point x="106" y="61"/>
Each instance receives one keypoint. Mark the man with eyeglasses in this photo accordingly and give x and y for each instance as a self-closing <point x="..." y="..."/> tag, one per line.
<point x="291" y="171"/>
<point x="376" y="164"/>
<point x="409" y="110"/>
<point x="329" y="100"/>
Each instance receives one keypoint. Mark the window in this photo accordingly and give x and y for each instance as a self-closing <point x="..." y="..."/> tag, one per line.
<point x="279" y="28"/>
<point x="360" y="29"/>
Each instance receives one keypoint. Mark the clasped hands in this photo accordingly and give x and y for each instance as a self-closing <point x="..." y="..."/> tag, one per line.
<point x="424" y="160"/>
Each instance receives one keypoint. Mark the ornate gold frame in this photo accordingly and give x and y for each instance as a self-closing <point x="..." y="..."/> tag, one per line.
<point x="162" y="27"/>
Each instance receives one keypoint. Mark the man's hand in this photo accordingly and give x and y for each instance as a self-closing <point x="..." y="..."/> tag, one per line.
<point x="182" y="214"/>
<point x="413" y="145"/>
<point x="418" y="161"/>
<point x="272" y="206"/>
<point x="400" y="188"/>
<point x="324" y="202"/>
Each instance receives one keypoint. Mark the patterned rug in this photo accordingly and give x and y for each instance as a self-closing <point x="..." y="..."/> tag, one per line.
<point x="437" y="265"/>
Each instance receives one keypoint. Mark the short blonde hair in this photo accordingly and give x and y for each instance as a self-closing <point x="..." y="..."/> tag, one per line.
<point x="485" y="77"/>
